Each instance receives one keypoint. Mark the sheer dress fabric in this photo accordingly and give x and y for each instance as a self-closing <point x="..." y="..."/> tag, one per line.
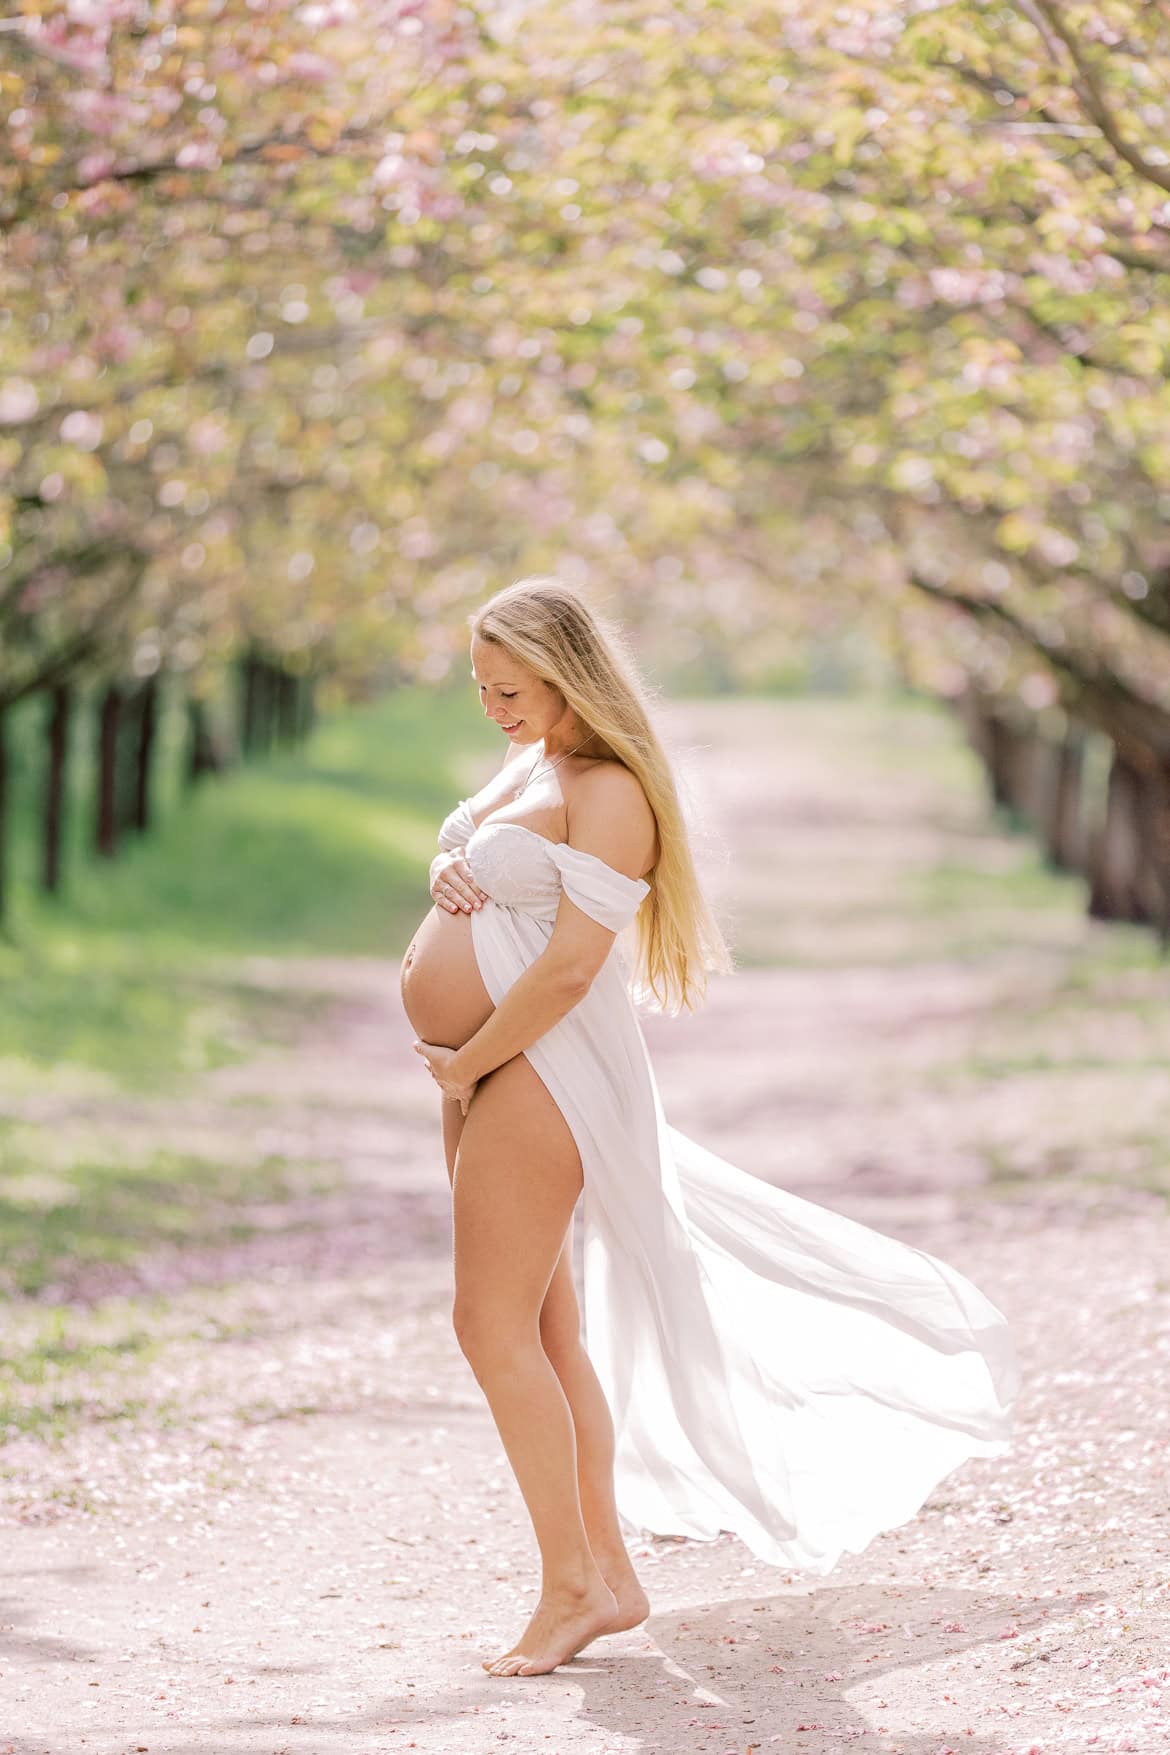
<point x="773" y="1368"/>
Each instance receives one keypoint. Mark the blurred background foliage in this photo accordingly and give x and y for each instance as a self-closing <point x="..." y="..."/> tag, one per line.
<point x="824" y="345"/>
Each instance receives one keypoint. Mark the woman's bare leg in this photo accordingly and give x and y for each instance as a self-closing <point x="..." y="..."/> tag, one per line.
<point x="560" y="1334"/>
<point x="516" y="1182"/>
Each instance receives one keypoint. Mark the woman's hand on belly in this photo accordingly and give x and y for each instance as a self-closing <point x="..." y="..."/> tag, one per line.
<point x="444" y="1067"/>
<point x="452" y="885"/>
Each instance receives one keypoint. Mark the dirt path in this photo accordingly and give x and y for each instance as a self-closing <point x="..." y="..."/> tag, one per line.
<point x="290" y="1527"/>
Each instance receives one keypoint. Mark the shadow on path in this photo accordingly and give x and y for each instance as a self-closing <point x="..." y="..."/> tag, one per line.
<point x="757" y="1670"/>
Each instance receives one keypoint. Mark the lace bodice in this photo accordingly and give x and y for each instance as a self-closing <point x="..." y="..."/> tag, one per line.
<point x="523" y="870"/>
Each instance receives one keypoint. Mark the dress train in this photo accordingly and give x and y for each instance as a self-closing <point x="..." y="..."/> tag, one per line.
<point x="773" y="1368"/>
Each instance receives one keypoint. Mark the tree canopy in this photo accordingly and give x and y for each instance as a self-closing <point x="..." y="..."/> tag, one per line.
<point x="320" y="319"/>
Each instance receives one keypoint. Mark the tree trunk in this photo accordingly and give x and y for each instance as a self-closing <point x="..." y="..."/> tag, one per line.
<point x="56" y="769"/>
<point x="249" y="674"/>
<point x="1153" y="872"/>
<point x="146" y="724"/>
<point x="1022" y="753"/>
<point x="202" y="755"/>
<point x="995" y="743"/>
<point x="1010" y="752"/>
<point x="288" y="710"/>
<point x="1115" y="882"/>
<point x="267" y="681"/>
<point x="124" y="763"/>
<point x="975" y="717"/>
<point x="306" y="707"/>
<point x="257" y="704"/>
<point x="1061" y="826"/>
<point x="1161" y="852"/>
<point x="3" y="812"/>
<point x="106" y="819"/>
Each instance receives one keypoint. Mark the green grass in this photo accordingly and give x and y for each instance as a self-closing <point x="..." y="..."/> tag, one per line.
<point x="1024" y="881"/>
<point x="1138" y="1162"/>
<point x="63" y="1364"/>
<point x="99" y="1207"/>
<point x="71" y="1009"/>
<point x="321" y="851"/>
<point x="60" y="1219"/>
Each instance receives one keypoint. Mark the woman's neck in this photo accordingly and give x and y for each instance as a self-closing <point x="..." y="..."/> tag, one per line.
<point x="562" y="741"/>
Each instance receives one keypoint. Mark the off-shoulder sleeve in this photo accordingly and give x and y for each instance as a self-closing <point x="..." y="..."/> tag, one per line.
<point x="457" y="828"/>
<point x="606" y="895"/>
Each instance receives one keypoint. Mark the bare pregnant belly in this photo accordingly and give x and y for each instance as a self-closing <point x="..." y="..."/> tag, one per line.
<point x="443" y="993"/>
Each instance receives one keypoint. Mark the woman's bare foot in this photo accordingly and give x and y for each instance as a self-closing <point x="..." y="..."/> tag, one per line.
<point x="633" y="1605"/>
<point x="563" y="1622"/>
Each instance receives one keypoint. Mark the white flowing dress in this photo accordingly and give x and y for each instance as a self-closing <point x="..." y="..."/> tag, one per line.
<point x="773" y="1368"/>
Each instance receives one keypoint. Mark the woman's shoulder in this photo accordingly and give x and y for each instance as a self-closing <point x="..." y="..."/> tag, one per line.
<point x="611" y="785"/>
<point x="609" y="799"/>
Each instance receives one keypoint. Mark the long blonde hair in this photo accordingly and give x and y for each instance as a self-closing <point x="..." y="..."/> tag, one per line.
<point x="548" y="627"/>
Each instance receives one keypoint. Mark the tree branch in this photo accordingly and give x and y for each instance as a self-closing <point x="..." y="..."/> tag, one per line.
<point x="1047" y="19"/>
<point x="1139" y="727"/>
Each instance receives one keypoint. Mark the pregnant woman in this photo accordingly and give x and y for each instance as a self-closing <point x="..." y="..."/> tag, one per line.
<point x="755" y="1363"/>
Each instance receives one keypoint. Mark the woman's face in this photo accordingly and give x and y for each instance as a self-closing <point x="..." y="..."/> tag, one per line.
<point x="524" y="706"/>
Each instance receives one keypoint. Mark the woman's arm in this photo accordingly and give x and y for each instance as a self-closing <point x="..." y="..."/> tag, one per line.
<point x="610" y="817"/>
<point x="549" y="987"/>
